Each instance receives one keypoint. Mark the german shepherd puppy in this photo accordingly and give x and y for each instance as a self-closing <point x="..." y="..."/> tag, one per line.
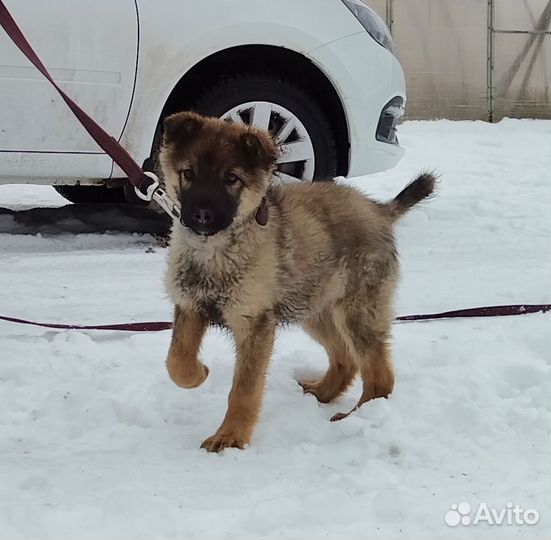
<point x="249" y="254"/>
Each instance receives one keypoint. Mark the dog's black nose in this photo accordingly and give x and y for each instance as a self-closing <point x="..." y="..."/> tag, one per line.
<point x="203" y="216"/>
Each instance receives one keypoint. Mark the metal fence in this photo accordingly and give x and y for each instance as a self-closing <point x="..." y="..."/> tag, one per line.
<point x="473" y="59"/>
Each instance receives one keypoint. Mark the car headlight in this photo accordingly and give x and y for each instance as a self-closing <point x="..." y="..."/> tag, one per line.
<point x="374" y="24"/>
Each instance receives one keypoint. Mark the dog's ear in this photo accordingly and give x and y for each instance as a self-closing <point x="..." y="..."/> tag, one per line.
<point x="182" y="126"/>
<point x="259" y="148"/>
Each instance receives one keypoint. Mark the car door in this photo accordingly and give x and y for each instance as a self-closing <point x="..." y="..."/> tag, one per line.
<point x="90" y="48"/>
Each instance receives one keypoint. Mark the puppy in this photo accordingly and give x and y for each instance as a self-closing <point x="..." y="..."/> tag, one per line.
<point x="249" y="254"/>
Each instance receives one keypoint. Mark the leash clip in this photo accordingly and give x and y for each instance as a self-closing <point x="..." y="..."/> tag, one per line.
<point x="155" y="192"/>
<point x="171" y="207"/>
<point x="150" y="189"/>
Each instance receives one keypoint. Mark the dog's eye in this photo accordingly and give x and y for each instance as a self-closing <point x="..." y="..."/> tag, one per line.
<point x="187" y="174"/>
<point x="231" y="178"/>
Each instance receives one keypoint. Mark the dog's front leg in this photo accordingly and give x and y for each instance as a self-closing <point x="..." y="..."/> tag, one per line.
<point x="254" y="342"/>
<point x="184" y="366"/>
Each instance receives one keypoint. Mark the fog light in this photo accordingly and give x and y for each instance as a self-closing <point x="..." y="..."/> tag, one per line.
<point x="386" y="128"/>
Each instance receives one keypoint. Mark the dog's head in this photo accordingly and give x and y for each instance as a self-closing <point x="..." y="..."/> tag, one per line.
<point x="218" y="171"/>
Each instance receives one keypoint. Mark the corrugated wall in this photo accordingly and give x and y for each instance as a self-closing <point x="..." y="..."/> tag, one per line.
<point x="446" y="47"/>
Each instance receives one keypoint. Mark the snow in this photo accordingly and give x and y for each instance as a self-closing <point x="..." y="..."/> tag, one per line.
<point x="26" y="196"/>
<point x="96" y="442"/>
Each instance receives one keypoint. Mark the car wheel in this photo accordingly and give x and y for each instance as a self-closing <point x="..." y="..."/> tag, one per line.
<point x="91" y="194"/>
<point x="292" y="116"/>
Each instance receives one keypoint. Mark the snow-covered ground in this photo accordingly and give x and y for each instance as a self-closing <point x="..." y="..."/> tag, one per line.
<point x="96" y="442"/>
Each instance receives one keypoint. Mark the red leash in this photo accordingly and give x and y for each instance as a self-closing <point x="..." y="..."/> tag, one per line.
<point x="123" y="327"/>
<point x="487" y="311"/>
<point x="104" y="140"/>
<point x="156" y="326"/>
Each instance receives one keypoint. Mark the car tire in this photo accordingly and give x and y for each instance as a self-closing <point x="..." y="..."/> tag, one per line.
<point x="237" y="96"/>
<point x="91" y="194"/>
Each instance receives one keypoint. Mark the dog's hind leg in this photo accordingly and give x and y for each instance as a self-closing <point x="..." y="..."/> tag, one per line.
<point x="183" y="364"/>
<point x="342" y="368"/>
<point x="367" y="337"/>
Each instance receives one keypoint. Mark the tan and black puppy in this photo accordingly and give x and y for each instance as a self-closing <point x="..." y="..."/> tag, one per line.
<point x="249" y="254"/>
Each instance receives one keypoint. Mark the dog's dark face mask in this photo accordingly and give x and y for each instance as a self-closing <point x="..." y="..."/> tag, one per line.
<point x="207" y="198"/>
<point x="218" y="171"/>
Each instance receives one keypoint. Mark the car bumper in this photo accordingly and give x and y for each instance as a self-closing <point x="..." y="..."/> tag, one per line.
<point x="367" y="78"/>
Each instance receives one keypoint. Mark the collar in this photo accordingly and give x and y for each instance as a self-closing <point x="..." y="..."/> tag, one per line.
<point x="262" y="213"/>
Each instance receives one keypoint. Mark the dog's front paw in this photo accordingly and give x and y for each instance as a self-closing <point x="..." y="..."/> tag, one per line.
<point x="185" y="377"/>
<point x="221" y="440"/>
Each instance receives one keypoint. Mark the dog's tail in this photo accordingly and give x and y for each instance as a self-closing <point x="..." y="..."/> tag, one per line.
<point x="421" y="188"/>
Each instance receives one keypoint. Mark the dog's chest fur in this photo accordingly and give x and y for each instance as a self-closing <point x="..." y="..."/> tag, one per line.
<point x="208" y="279"/>
<point x="210" y="289"/>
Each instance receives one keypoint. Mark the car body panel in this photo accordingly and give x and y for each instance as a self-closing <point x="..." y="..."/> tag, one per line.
<point x="169" y="48"/>
<point x="366" y="78"/>
<point x="90" y="48"/>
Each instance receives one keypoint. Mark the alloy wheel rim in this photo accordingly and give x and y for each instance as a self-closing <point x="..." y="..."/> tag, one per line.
<point x="296" y="161"/>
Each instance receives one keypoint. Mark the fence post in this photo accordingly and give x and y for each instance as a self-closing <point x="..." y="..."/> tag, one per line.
<point x="490" y="60"/>
<point x="390" y="15"/>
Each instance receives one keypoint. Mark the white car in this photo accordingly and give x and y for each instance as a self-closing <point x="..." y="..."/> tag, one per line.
<point x="320" y="75"/>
